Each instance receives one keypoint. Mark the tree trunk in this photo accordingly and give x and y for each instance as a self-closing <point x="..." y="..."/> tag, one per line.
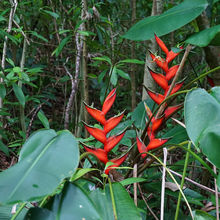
<point x="157" y="9"/>
<point x="133" y="78"/>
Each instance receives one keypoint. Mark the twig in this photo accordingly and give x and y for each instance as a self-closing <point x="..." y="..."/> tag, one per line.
<point x="216" y="196"/>
<point x="74" y="82"/>
<point x="22" y="113"/>
<point x="182" y="181"/>
<point x="24" y="35"/>
<point x="195" y="183"/>
<point x="163" y="184"/>
<point x="142" y="195"/>
<point x="188" y="48"/>
<point x="135" y="184"/>
<point x="32" y="119"/>
<point x="12" y="13"/>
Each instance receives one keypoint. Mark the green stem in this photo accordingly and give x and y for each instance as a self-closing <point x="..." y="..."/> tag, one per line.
<point x="199" y="159"/>
<point x="174" y="180"/>
<point x="18" y="211"/>
<point x="182" y="181"/>
<point x="201" y="76"/>
<point x="43" y="202"/>
<point x="113" y="199"/>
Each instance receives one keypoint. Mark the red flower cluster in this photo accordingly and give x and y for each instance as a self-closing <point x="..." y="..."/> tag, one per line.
<point x="101" y="134"/>
<point x="163" y="81"/>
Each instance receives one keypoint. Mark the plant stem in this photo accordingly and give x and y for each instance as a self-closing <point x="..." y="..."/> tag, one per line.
<point x="201" y="76"/>
<point x="174" y="180"/>
<point x="22" y="114"/>
<point x="113" y="199"/>
<point x="182" y="181"/>
<point x="135" y="184"/>
<point x="163" y="184"/>
<point x="18" y="211"/>
<point x="216" y="196"/>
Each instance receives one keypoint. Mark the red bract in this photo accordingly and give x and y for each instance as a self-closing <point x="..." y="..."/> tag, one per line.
<point x="109" y="142"/>
<point x="163" y="81"/>
<point x="117" y="162"/>
<point x="154" y="143"/>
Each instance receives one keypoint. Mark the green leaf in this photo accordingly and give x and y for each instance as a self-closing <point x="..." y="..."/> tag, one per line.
<point x="4" y="148"/>
<point x="132" y="61"/>
<point x="2" y="91"/>
<point x="210" y="36"/>
<point x="17" y="69"/>
<point x="132" y="180"/>
<point x="43" y="119"/>
<point x="58" y="50"/>
<point x="114" y="77"/>
<point x="53" y="14"/>
<point x="201" y="215"/>
<point x="123" y="74"/>
<point x="45" y="160"/>
<point x="25" y="77"/>
<point x="93" y="204"/>
<point x="86" y="33"/>
<point x="37" y="213"/>
<point x="104" y="58"/>
<point x="5" y="212"/>
<point x="218" y="182"/>
<point x="178" y="134"/>
<point x="202" y="113"/>
<point x="167" y="22"/>
<point x="81" y="172"/>
<point x="2" y="18"/>
<point x="38" y="36"/>
<point x="19" y="94"/>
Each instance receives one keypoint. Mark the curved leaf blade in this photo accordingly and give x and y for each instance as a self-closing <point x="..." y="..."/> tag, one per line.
<point x="42" y="166"/>
<point x="202" y="114"/>
<point x="167" y="22"/>
<point x="210" y="36"/>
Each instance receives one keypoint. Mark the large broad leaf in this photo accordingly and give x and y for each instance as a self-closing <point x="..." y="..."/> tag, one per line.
<point x="45" y="160"/>
<point x="210" y="36"/>
<point x="202" y="119"/>
<point x="167" y="22"/>
<point x="76" y="203"/>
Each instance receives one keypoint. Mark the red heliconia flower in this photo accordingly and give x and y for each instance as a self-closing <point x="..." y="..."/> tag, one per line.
<point x="160" y="79"/>
<point x="153" y="144"/>
<point x="163" y="81"/>
<point x="158" y="98"/>
<point x="99" y="153"/>
<point x="160" y="62"/>
<point x="117" y="162"/>
<point x="170" y="55"/>
<point x="109" y="142"/>
<point x="169" y="111"/>
<point x="155" y="123"/>
<point x="171" y="72"/>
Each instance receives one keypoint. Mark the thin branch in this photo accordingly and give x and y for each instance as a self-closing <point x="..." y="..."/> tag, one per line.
<point x="163" y="184"/>
<point x="179" y="71"/>
<point x="195" y="183"/>
<point x="74" y="82"/>
<point x="24" y="35"/>
<point x="149" y="208"/>
<point x="216" y="195"/>
<point x="135" y="184"/>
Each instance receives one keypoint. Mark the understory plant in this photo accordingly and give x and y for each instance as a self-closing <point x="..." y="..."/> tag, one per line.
<point x="59" y="177"/>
